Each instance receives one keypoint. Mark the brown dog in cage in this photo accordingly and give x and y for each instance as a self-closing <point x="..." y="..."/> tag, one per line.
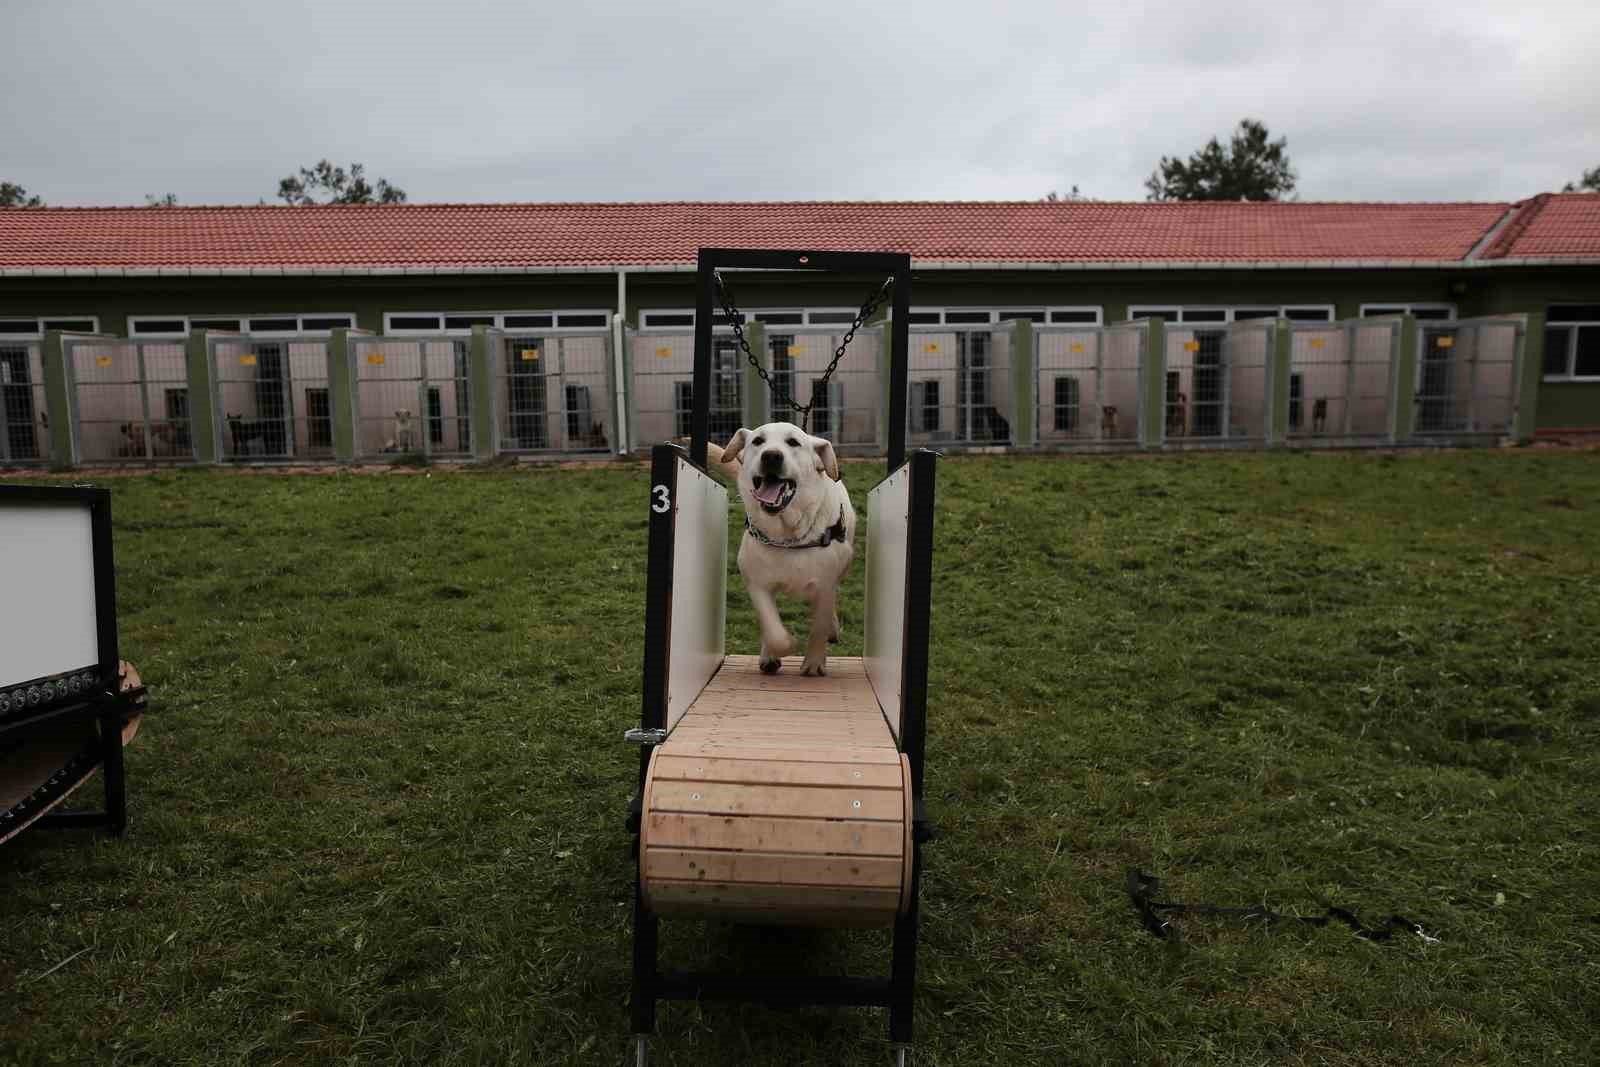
<point x="1178" y="416"/>
<point x="1319" y="415"/>
<point x="1108" y="422"/>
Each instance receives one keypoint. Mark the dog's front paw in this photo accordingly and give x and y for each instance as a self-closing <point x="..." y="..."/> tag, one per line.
<point x="770" y="664"/>
<point x="814" y="666"/>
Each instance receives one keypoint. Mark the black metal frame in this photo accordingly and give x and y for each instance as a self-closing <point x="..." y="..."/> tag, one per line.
<point x="105" y="706"/>
<point x="896" y="991"/>
<point x="896" y="264"/>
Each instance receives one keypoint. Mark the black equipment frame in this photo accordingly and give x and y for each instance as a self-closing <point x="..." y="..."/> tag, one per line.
<point x="896" y="991"/>
<point x="106" y="705"/>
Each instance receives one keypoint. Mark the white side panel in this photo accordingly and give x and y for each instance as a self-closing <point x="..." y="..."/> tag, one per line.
<point x="699" y="588"/>
<point x="888" y="514"/>
<point x="47" y="572"/>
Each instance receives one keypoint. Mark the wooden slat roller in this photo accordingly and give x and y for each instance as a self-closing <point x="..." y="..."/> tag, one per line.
<point x="779" y="799"/>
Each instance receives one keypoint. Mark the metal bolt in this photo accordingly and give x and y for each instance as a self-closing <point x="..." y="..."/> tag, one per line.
<point x="855" y="803"/>
<point x="694" y="796"/>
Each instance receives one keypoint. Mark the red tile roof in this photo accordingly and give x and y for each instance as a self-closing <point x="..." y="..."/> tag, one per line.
<point x="534" y="236"/>
<point x="1551" y="225"/>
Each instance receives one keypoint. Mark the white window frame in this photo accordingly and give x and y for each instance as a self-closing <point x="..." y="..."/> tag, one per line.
<point x="39" y="327"/>
<point x="499" y="317"/>
<point x="1230" y="313"/>
<point x="244" y="320"/>
<point x="752" y="315"/>
<point x="1407" y="307"/>
<point x="1572" y="326"/>
<point x="997" y="313"/>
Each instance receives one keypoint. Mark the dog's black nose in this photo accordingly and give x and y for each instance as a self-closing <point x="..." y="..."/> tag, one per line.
<point x="772" y="462"/>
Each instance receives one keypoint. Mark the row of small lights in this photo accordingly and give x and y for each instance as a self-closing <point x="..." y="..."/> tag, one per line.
<point x="34" y="695"/>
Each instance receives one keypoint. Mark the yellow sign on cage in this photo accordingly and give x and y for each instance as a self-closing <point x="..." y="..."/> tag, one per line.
<point x="1077" y="346"/>
<point x="931" y="346"/>
<point x="1446" y="342"/>
<point x="102" y="361"/>
<point x="375" y="359"/>
<point x="247" y="360"/>
<point x="1317" y="342"/>
<point x="530" y="355"/>
<point x="1191" y="346"/>
<point x="663" y="352"/>
<point x="794" y="350"/>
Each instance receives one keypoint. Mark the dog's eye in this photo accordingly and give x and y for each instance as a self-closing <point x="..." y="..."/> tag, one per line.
<point x="793" y="443"/>
<point x="759" y="441"/>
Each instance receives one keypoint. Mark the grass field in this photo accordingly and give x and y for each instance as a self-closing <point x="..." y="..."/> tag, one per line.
<point x="377" y="807"/>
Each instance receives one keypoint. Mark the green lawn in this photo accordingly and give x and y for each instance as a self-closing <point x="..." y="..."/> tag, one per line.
<point x="377" y="807"/>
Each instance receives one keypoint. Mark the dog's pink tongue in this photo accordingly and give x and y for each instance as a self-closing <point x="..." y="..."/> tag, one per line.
<point x="770" y="491"/>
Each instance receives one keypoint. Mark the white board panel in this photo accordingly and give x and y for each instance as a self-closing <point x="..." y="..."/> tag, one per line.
<point x="47" y="582"/>
<point x="888" y="516"/>
<point x="699" y="588"/>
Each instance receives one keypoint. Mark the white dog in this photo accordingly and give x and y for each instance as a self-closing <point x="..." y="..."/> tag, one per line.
<point x="402" y="430"/>
<point x="799" y="533"/>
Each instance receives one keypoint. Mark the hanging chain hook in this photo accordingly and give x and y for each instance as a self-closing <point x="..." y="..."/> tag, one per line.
<point x="736" y="320"/>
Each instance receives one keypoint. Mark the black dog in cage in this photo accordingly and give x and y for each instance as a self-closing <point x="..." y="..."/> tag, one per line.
<point x="244" y="432"/>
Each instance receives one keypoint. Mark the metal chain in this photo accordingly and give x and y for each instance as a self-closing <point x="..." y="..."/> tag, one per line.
<point x="736" y="320"/>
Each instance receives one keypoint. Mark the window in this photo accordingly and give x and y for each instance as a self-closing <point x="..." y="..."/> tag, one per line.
<point x="435" y="416"/>
<point x="1066" y="404"/>
<point x="780" y="318"/>
<point x="683" y="408"/>
<point x="1418" y="311"/>
<point x="782" y="364"/>
<point x="1296" y="392"/>
<point x="181" y="325"/>
<point x="1572" y="342"/>
<point x="1244" y="313"/>
<point x="464" y="321"/>
<point x="34" y="328"/>
<point x="981" y="316"/>
<point x="925" y="406"/>
<point x="658" y="320"/>
<point x="683" y="318"/>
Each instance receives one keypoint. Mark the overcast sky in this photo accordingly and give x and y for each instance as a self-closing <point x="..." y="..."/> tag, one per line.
<point x="105" y="102"/>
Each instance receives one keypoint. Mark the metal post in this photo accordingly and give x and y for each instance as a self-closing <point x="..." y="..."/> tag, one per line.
<point x="700" y="418"/>
<point x="144" y="398"/>
<point x="899" y="367"/>
<point x="1351" y="340"/>
<point x="1529" y="354"/>
<point x="1153" y="400"/>
<point x="757" y="397"/>
<point x="1403" y="389"/>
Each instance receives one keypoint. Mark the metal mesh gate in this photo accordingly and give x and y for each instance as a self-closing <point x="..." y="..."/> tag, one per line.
<point x="555" y="392"/>
<point x="130" y="401"/>
<point x="413" y="396"/>
<point x="1341" y="381"/>
<point x="845" y="411"/>
<point x="24" y="421"/>
<point x="1088" y="388"/>
<point x="663" y="387"/>
<point x="271" y="398"/>
<point x="960" y="382"/>
<point x="1218" y="385"/>
<point x="1467" y="377"/>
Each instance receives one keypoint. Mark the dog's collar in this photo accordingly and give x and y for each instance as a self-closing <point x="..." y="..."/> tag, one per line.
<point x="829" y="536"/>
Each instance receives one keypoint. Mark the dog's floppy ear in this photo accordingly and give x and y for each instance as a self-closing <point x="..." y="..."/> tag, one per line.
<point x="826" y="460"/>
<point x="735" y="446"/>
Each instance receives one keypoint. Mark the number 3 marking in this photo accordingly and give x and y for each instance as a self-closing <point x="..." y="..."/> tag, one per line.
<point x="664" y="502"/>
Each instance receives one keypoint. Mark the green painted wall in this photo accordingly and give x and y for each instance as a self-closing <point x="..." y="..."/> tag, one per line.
<point x="1561" y="405"/>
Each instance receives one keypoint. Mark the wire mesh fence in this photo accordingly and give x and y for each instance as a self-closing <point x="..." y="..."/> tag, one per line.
<point x="130" y="400"/>
<point x="272" y="398"/>
<point x="845" y="409"/>
<point x="663" y="386"/>
<point x="1467" y="378"/>
<point x="413" y="396"/>
<point x="1341" y="381"/>
<point x="555" y="392"/>
<point x="1218" y="387"/>
<point x="1088" y="388"/>
<point x="960" y="386"/>
<point x="24" y="417"/>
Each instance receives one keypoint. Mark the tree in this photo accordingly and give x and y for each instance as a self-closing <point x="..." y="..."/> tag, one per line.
<point x="16" y="196"/>
<point x="1053" y="197"/>
<point x="164" y="200"/>
<point x="328" y="184"/>
<point x="1251" y="168"/>
<point x="1589" y="183"/>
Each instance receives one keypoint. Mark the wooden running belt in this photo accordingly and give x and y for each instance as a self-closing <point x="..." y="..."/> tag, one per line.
<point x="779" y="798"/>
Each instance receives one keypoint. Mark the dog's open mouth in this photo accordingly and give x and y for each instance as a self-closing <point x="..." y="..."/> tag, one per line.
<point x="772" y="493"/>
